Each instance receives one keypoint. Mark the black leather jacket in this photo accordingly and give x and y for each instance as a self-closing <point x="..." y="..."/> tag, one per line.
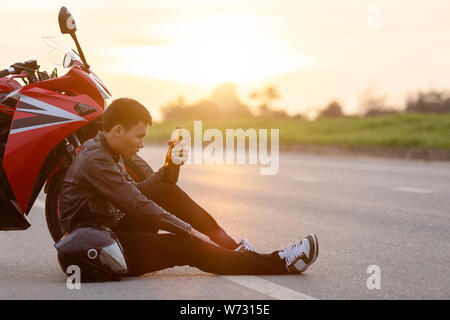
<point x="97" y="191"/>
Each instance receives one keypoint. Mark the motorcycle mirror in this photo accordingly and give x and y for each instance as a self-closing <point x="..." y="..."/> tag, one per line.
<point x="66" y="21"/>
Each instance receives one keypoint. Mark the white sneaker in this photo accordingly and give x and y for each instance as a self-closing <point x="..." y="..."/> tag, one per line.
<point x="244" y="246"/>
<point x="300" y="256"/>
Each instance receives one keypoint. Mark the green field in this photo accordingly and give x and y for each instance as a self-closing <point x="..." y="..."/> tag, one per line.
<point x="427" y="131"/>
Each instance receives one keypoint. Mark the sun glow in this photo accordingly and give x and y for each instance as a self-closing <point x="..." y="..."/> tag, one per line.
<point x="211" y="51"/>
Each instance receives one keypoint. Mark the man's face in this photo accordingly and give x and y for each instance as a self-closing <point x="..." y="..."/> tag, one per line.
<point x="128" y="143"/>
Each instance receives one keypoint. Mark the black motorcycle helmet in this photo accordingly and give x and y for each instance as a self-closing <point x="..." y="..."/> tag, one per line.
<point x="96" y="251"/>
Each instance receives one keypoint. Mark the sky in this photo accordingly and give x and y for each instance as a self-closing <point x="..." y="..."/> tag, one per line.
<point x="312" y="51"/>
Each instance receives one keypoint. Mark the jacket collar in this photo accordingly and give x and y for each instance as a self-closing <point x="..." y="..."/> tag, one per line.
<point x="107" y="146"/>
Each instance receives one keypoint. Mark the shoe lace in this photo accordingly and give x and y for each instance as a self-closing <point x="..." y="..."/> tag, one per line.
<point x="247" y="245"/>
<point x="291" y="253"/>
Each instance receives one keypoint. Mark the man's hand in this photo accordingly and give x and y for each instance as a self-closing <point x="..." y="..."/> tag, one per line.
<point x="176" y="156"/>
<point x="180" y="153"/>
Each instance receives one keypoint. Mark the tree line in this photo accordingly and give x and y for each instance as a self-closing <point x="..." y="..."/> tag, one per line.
<point x="224" y="103"/>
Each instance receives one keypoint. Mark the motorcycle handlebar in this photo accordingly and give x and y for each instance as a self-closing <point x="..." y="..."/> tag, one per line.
<point x="29" y="65"/>
<point x="6" y="72"/>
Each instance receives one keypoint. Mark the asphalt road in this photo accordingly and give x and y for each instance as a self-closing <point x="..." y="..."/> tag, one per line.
<point x="392" y="214"/>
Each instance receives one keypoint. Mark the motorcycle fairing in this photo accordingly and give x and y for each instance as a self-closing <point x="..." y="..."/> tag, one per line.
<point x="44" y="116"/>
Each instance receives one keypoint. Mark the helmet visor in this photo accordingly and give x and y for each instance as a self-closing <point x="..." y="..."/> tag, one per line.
<point x="112" y="257"/>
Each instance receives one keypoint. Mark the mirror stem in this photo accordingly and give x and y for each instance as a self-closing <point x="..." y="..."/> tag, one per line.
<point x="83" y="58"/>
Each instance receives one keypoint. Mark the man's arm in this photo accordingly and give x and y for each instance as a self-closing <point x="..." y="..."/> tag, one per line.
<point x="151" y="178"/>
<point x="102" y="173"/>
<point x="179" y="155"/>
<point x="143" y="166"/>
<point x="150" y="181"/>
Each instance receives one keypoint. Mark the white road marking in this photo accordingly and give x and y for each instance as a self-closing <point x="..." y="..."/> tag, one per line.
<point x="306" y="179"/>
<point x="39" y="204"/>
<point x="268" y="288"/>
<point x="413" y="190"/>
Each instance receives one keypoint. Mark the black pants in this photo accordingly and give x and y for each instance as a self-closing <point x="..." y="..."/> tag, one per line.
<point x="147" y="251"/>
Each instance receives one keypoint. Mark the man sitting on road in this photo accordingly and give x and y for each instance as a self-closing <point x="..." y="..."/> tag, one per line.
<point x="98" y="192"/>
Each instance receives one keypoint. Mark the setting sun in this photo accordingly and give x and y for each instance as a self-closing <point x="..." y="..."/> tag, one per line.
<point x="211" y="51"/>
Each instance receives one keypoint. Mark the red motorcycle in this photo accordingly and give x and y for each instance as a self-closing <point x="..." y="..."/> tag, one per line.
<point x="43" y="123"/>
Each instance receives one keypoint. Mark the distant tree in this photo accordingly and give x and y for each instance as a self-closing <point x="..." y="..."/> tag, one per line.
<point x="429" y="102"/>
<point x="226" y="98"/>
<point x="332" y="110"/>
<point x="225" y="95"/>
<point x="266" y="97"/>
<point x="379" y="112"/>
<point x="223" y="103"/>
<point x="265" y="112"/>
<point x="297" y="116"/>
<point x="372" y="103"/>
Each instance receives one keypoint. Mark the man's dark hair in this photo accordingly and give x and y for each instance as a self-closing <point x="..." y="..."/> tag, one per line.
<point x="125" y="111"/>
